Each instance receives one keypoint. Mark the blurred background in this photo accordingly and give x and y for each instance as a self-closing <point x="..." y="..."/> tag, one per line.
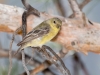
<point x="77" y="63"/>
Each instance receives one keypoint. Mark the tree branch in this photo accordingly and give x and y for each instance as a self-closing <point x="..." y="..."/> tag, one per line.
<point x="60" y="8"/>
<point x="86" y="38"/>
<point x="4" y="54"/>
<point x="76" y="11"/>
<point x="85" y="2"/>
<point x="34" y="62"/>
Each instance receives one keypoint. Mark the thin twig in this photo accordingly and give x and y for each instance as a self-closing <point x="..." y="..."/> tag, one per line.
<point x="23" y="62"/>
<point x="10" y="51"/>
<point x="78" y="63"/>
<point x="30" y="10"/>
<point x="48" y="63"/>
<point x="65" y="69"/>
<point x="85" y="2"/>
<point x="5" y="54"/>
<point x="10" y="59"/>
<point x="48" y="72"/>
<point x="41" y="67"/>
<point x="75" y="8"/>
<point x="24" y="32"/>
<point x="60" y="7"/>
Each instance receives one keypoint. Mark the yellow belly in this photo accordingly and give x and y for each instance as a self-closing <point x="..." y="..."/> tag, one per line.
<point x="38" y="42"/>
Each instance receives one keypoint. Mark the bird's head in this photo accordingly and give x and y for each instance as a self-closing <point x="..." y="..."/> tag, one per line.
<point x="55" y="23"/>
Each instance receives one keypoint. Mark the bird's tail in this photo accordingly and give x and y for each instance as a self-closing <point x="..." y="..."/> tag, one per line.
<point x="18" y="51"/>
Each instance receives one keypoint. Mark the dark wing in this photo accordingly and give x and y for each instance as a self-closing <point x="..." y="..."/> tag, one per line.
<point x="38" y="31"/>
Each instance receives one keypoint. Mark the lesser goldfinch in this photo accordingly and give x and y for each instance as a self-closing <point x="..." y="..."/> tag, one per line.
<point x="41" y="34"/>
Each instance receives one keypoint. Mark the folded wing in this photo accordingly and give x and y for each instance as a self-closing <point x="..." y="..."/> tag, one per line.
<point x="37" y="32"/>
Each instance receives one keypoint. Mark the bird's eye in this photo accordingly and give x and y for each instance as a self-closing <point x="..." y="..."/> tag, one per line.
<point x="54" y="22"/>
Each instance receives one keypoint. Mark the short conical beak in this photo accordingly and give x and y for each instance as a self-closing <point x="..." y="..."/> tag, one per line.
<point x="58" y="25"/>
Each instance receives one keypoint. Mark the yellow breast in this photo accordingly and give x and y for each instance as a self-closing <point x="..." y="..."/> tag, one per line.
<point x="42" y="40"/>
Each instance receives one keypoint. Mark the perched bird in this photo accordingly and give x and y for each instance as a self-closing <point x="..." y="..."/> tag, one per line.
<point x="41" y="34"/>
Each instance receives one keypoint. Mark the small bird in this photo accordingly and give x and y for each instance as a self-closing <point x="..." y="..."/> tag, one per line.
<point x="41" y="34"/>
